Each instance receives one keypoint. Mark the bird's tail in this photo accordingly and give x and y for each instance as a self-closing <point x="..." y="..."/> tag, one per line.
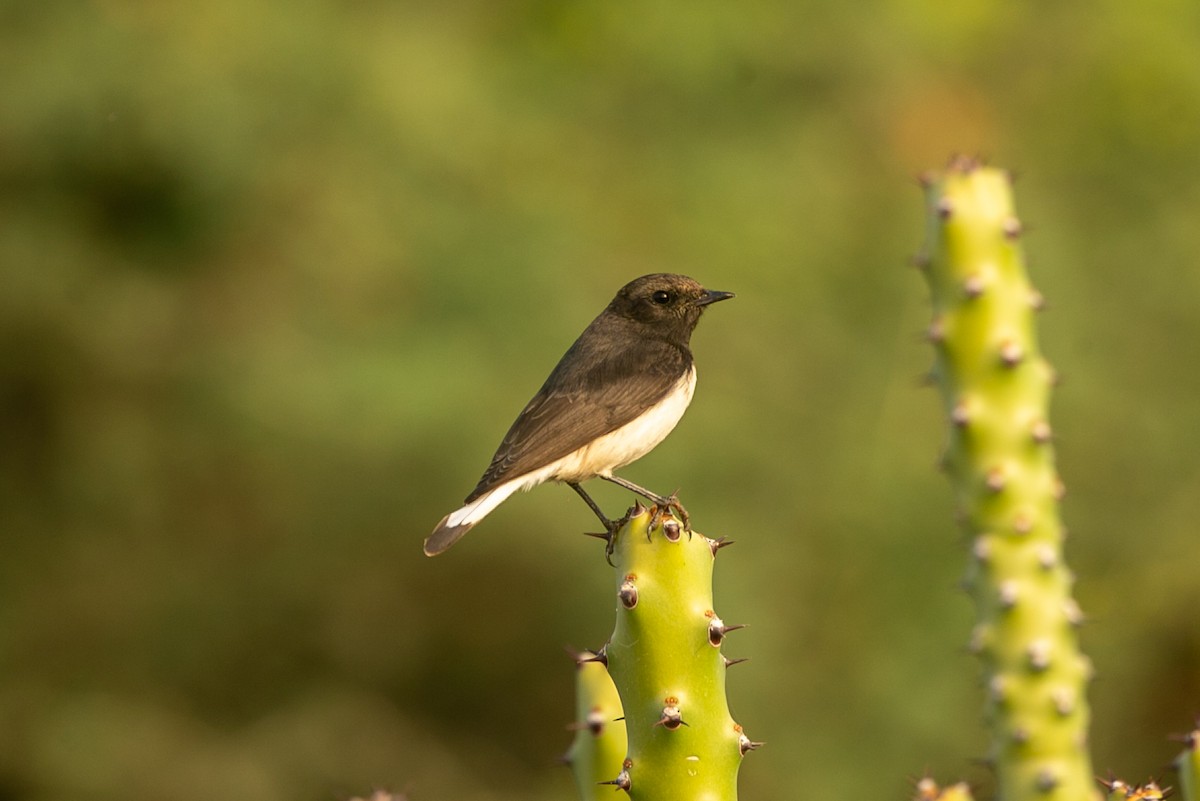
<point x="459" y="522"/>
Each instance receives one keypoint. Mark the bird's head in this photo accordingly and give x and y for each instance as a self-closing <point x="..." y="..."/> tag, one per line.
<point x="665" y="301"/>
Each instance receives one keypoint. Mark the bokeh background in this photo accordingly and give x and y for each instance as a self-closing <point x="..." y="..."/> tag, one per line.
<point x="278" y="274"/>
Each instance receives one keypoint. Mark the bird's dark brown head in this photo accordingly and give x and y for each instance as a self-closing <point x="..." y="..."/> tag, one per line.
<point x="670" y="303"/>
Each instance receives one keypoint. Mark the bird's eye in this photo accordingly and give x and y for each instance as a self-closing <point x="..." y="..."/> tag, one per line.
<point x="661" y="297"/>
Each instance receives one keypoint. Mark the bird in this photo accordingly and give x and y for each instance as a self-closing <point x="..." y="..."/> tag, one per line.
<point x="617" y="392"/>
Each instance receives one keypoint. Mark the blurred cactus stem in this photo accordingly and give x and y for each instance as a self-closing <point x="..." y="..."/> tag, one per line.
<point x="599" y="746"/>
<point x="665" y="658"/>
<point x="1188" y="766"/>
<point x="1000" y="458"/>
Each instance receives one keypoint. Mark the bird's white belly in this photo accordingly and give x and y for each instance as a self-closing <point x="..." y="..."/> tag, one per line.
<point x="628" y="443"/>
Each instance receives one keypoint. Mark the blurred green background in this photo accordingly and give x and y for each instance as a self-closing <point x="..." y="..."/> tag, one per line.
<point x="277" y="275"/>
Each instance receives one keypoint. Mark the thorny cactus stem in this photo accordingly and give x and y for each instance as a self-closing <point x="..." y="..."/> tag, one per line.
<point x="665" y="658"/>
<point x="599" y="746"/>
<point x="1000" y="458"/>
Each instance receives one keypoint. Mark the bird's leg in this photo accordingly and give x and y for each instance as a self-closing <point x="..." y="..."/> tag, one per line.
<point x="661" y="502"/>
<point x="611" y="527"/>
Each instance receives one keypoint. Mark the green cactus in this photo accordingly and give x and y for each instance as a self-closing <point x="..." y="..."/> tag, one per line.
<point x="665" y="659"/>
<point x="1187" y="765"/>
<point x="599" y="746"/>
<point x="996" y="388"/>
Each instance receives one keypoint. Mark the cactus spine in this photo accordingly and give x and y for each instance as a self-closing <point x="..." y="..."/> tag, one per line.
<point x="665" y="659"/>
<point x="996" y="387"/>
<point x="599" y="746"/>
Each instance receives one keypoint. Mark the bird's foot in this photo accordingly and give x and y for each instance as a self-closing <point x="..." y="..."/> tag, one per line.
<point x="671" y="504"/>
<point x="609" y="535"/>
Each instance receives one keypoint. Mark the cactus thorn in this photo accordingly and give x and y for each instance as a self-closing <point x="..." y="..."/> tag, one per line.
<point x="926" y="179"/>
<point x="593" y="722"/>
<point x="600" y="656"/>
<point x="671" y="530"/>
<point x="981" y="549"/>
<point x="945" y="207"/>
<point x="718" y="544"/>
<point x="672" y="717"/>
<point x="1011" y="354"/>
<point x="1072" y="612"/>
<point x="997" y="689"/>
<point x="1046" y="780"/>
<point x="628" y="592"/>
<point x="921" y="260"/>
<point x="1041" y="432"/>
<point x="995" y="480"/>
<point x="622" y="781"/>
<point x="1012" y="228"/>
<point x="747" y="745"/>
<point x="1047" y="557"/>
<point x="1037" y="301"/>
<point x="978" y="637"/>
<point x="926" y="789"/>
<point x="973" y="287"/>
<point x="1022" y="524"/>
<point x="959" y="415"/>
<point x="1020" y="735"/>
<point x="717" y="629"/>
<point x="936" y="332"/>
<point x="1064" y="704"/>
<point x="731" y="662"/>
<point x="1008" y="595"/>
<point x="1038" y="654"/>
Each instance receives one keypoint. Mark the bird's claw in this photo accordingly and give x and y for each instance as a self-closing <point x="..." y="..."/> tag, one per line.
<point x="670" y="504"/>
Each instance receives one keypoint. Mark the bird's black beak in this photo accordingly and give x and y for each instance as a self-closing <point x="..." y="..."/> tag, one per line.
<point x="712" y="296"/>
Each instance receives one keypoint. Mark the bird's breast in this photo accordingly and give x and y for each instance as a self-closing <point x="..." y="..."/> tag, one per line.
<point x="631" y="441"/>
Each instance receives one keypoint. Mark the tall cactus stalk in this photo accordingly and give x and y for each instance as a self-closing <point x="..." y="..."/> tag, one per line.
<point x="1000" y="457"/>
<point x="599" y="746"/>
<point x="665" y="659"/>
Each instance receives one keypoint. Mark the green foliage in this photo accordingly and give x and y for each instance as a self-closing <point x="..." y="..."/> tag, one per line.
<point x="276" y="275"/>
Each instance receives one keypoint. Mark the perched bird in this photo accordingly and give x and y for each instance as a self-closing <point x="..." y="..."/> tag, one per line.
<point x="614" y="395"/>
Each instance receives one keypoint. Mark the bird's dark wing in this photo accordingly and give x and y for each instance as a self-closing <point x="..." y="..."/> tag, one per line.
<point x="599" y="385"/>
